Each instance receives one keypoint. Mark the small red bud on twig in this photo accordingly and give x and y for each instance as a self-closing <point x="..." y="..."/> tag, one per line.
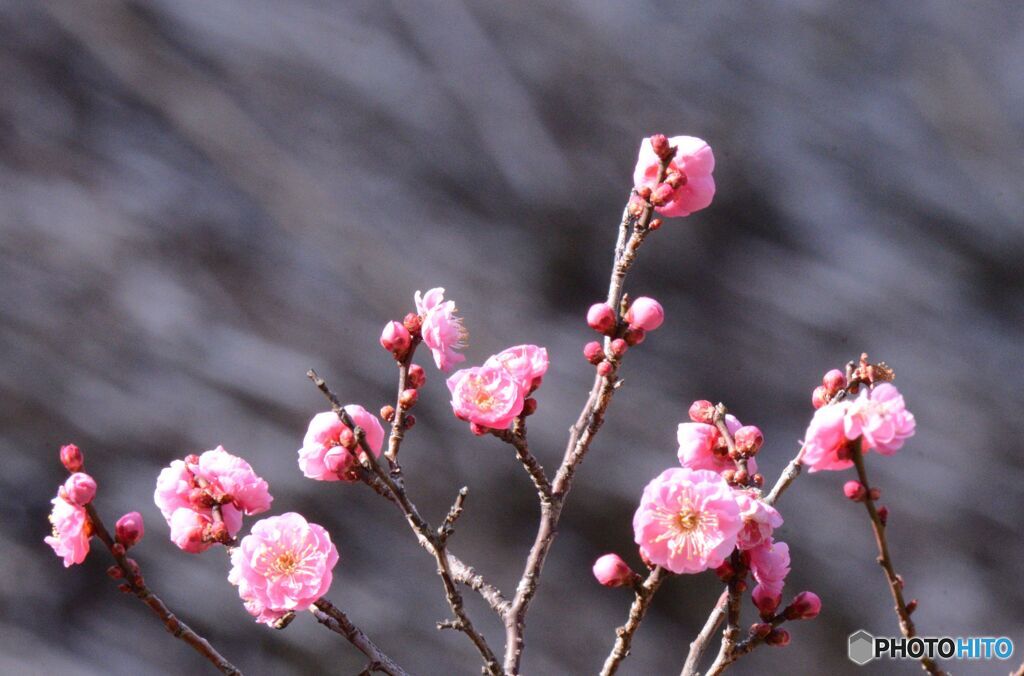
<point x="529" y="406"/>
<point x="661" y="194"/>
<point x="634" y="336"/>
<point x="912" y="606"/>
<point x="819" y="397"/>
<point x="779" y="638"/>
<point x="605" y="369"/>
<point x="71" y="457"/>
<point x="387" y="412"/>
<point x="748" y="439"/>
<point x="760" y="630"/>
<point x="413" y="323"/>
<point x="593" y="352"/>
<point x="478" y="430"/>
<point x="883" y="515"/>
<point x="875" y="493"/>
<point x="617" y="348"/>
<point x="855" y="491"/>
<point x="417" y="376"/>
<point x="655" y="224"/>
<point x="408" y="398"/>
<point x="347" y="439"/>
<point x="601" y="317"/>
<point x="410" y="420"/>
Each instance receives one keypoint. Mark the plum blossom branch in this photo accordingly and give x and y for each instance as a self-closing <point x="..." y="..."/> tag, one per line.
<point x="129" y="569"/>
<point x="333" y="618"/>
<point x="644" y="594"/>
<point x="425" y="533"/>
<point x="903" y="611"/>
<point x="516" y="437"/>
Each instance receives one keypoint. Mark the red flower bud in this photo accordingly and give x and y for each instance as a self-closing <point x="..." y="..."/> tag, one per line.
<point x="410" y="420"/>
<point x="778" y="638"/>
<point x="408" y="398"/>
<point x="604" y="369"/>
<point x="634" y="336"/>
<point x="819" y="397"/>
<point x="855" y="491"/>
<point x="417" y="376"/>
<point x="661" y="194"/>
<point x="395" y="339"/>
<point x="748" y="439"/>
<point x="129" y="529"/>
<point x="80" y="489"/>
<point x="387" y="413"/>
<point x="834" y="381"/>
<point x="805" y="606"/>
<point x="71" y="457"/>
<point x="347" y="439"/>
<point x="593" y="352"/>
<point x="617" y="348"/>
<point x="883" y="515"/>
<point x="478" y="430"/>
<point x="529" y="406"/>
<point x="661" y="147"/>
<point x="702" y="411"/>
<point x="601" y="317"/>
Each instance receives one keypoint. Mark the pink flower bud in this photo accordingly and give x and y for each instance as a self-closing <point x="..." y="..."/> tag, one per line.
<point x="834" y="381"/>
<point x="71" y="457"/>
<point x="593" y="352"/>
<point x="748" y="439"/>
<point x="778" y="638"/>
<point x="604" y="369"/>
<point x="645" y="313"/>
<point x="805" y="606"/>
<point x="410" y="421"/>
<point x="634" y="336"/>
<point x="395" y="339"/>
<point x="819" y="397"/>
<point x="417" y="376"/>
<point x="408" y="398"/>
<point x="80" y="489"/>
<point x="766" y="600"/>
<point x="601" y="318"/>
<point x="611" y="571"/>
<point x="617" y="348"/>
<point x="412" y="323"/>
<point x="702" y="411"/>
<point x="661" y="146"/>
<point x="855" y="491"/>
<point x="129" y="529"/>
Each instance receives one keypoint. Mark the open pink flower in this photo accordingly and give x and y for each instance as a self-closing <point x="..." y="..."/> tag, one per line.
<point x="71" y="531"/>
<point x="442" y="331"/>
<point x="693" y="160"/>
<point x="825" y="443"/>
<point x="486" y="395"/>
<point x="284" y="564"/>
<point x="769" y="563"/>
<point x="527" y="364"/>
<point x="701" y="446"/>
<point x="687" y="521"/>
<point x="881" y="417"/>
<point x="759" y="520"/>
<point x="323" y="457"/>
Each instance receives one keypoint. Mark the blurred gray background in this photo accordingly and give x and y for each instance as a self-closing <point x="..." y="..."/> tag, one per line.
<point x="201" y="200"/>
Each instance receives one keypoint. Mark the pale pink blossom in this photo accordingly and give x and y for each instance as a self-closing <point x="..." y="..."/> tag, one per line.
<point x="759" y="520"/>
<point x="527" y="364"/>
<point x="71" y="531"/>
<point x="442" y="331"/>
<point x="611" y="571"/>
<point x="769" y="564"/>
<point x="324" y="457"/>
<point x="486" y="395"/>
<point x="694" y="160"/>
<point x="687" y="521"/>
<point x="825" y="444"/>
<point x="645" y="313"/>
<point x="284" y="564"/>
<point x="880" y="416"/>
<point x="701" y="446"/>
<point x="196" y="531"/>
<point x="80" y="489"/>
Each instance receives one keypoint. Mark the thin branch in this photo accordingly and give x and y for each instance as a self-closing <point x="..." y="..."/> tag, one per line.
<point x="134" y="580"/>
<point x="644" y="593"/>
<point x="516" y="437"/>
<point x="884" y="560"/>
<point x="333" y="618"/>
<point x="700" y="643"/>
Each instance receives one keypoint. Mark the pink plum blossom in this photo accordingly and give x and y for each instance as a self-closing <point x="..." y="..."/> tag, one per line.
<point x="323" y="455"/>
<point x="230" y="478"/>
<point x="700" y="446"/>
<point x="442" y="331"/>
<point x="645" y="313"/>
<point x="71" y="531"/>
<point x="687" y="521"/>
<point x="880" y="416"/>
<point x="527" y="364"/>
<point x="694" y="160"/>
<point x="825" y="444"/>
<point x="284" y="564"/>
<point x="769" y="563"/>
<point x="486" y="395"/>
<point x="759" y="520"/>
<point x="80" y="489"/>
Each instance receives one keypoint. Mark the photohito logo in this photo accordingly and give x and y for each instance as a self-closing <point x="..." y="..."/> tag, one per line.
<point x="863" y="647"/>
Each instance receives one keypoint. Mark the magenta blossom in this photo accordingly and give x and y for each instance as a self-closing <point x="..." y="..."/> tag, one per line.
<point x="769" y="563"/>
<point x="693" y="161"/>
<point x="442" y="331"/>
<point x="687" y="521"/>
<point x="880" y="416"/>
<point x="759" y="519"/>
<point x="527" y="364"/>
<point x="702" y="447"/>
<point x="486" y="395"/>
<point x="825" y="443"/>
<point x="324" y="457"/>
<point x="71" y="531"/>
<point x="284" y="564"/>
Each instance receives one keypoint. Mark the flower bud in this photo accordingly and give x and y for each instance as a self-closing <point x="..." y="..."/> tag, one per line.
<point x="80" y="489"/>
<point x="643" y="192"/>
<point x="875" y="493"/>
<point x="729" y="475"/>
<point x="778" y="638"/>
<point x="387" y="412"/>
<point x="655" y="224"/>
<point x="417" y="376"/>
<point x="661" y="147"/>
<point x="71" y="457"/>
<point x="805" y="606"/>
<point x="645" y="313"/>
<point x="748" y="439"/>
<point x="611" y="571"/>
<point x="661" y="194"/>
<point x="412" y="323"/>
<point x="883" y="515"/>
<point x="725" y="571"/>
<point x="741" y="476"/>
<point x="834" y="381"/>
<point x="765" y="601"/>
<point x="604" y="369"/>
<point x="478" y="430"/>
<point x="819" y="397"/>
<point x="601" y="318"/>
<point x="912" y="606"/>
<point x="117" y="549"/>
<point x="675" y="179"/>
<point x="760" y="630"/>
<point x="129" y="529"/>
<point x="634" y="336"/>
<point x="395" y="339"/>
<point x="408" y="398"/>
<point x="529" y="406"/>
<point x="124" y="588"/>
<point x="702" y="411"/>
<point x="617" y="348"/>
<point x="758" y="480"/>
<point x="410" y="420"/>
<point x="115" y="573"/>
<point x="855" y="491"/>
<point x="593" y="352"/>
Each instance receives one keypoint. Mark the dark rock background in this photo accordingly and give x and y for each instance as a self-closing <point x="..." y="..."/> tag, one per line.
<point x="201" y="200"/>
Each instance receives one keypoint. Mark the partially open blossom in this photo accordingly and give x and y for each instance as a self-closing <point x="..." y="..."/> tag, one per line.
<point x="129" y="529"/>
<point x="230" y="478"/>
<point x="611" y="571"/>
<point x="687" y="520"/>
<point x="645" y="313"/>
<point x="486" y="395"/>
<point x="442" y="331"/>
<point x="71" y="531"/>
<point x="701" y="446"/>
<point x="693" y="162"/>
<point x="881" y="417"/>
<point x="395" y="339"/>
<point x="805" y="606"/>
<point x="284" y="564"/>
<point x="759" y="520"/>
<point x="770" y="565"/>
<point x="80" y="489"/>
<point x="527" y="364"/>
<point x="601" y="317"/>
<point x="825" y="443"/>
<point x="324" y="455"/>
<point x="71" y="457"/>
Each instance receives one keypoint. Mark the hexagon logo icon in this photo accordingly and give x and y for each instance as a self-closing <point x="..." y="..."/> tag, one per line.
<point x="861" y="647"/>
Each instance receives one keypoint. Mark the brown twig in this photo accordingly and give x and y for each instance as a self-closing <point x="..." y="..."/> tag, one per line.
<point x="700" y="643"/>
<point x="885" y="561"/>
<point x="134" y="580"/>
<point x="516" y="437"/>
<point x="644" y="593"/>
<point x="333" y="618"/>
